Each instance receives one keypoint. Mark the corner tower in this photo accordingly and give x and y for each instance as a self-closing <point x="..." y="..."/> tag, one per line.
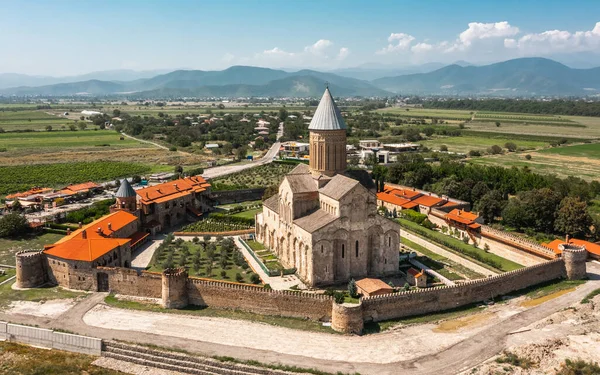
<point x="126" y="197"/>
<point x="327" y="138"/>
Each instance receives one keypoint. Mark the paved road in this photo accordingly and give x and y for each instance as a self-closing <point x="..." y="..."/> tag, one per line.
<point x="447" y="254"/>
<point x="462" y="356"/>
<point x="431" y="272"/>
<point x="228" y="169"/>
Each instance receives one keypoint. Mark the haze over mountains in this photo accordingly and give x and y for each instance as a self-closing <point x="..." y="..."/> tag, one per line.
<point x="525" y="76"/>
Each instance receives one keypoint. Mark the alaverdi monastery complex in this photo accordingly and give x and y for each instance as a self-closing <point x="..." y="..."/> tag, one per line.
<point x="323" y="222"/>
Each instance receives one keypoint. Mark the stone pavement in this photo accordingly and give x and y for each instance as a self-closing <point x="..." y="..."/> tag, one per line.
<point x="277" y="282"/>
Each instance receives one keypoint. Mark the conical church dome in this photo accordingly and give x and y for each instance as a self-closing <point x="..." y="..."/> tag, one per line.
<point x="327" y="116"/>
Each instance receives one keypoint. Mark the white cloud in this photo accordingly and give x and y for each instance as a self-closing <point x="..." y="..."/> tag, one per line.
<point x="557" y="41"/>
<point x="478" y="31"/>
<point x="277" y="52"/>
<point x="421" y="47"/>
<point x="319" y="48"/>
<point x="397" y="42"/>
<point x="344" y="52"/>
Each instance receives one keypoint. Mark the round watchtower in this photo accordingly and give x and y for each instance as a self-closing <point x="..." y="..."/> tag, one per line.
<point x="30" y="269"/>
<point x="174" y="288"/>
<point x="574" y="257"/>
<point x="347" y="318"/>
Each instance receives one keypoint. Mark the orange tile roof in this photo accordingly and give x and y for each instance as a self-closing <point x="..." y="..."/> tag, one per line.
<point x="82" y="187"/>
<point x="372" y="285"/>
<point x="591" y="247"/>
<point x="391" y="198"/>
<point x="428" y="201"/>
<point x="85" y="249"/>
<point x="117" y="220"/>
<point x="450" y="204"/>
<point x="29" y="192"/>
<point x="461" y="216"/>
<point x="172" y="189"/>
<point x="404" y="193"/>
<point x="172" y="196"/>
<point x="409" y="205"/>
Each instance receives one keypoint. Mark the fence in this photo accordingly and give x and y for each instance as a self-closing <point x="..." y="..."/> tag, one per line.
<point x="50" y="339"/>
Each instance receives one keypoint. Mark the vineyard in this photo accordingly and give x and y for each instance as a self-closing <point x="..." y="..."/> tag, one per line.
<point x="20" y="178"/>
<point x="263" y="176"/>
<point x="30" y="120"/>
<point x="220" y="223"/>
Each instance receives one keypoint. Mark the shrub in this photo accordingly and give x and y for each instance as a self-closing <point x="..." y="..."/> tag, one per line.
<point x="515" y="360"/>
<point x="238" y="277"/>
<point x="495" y="150"/>
<point x="528" y="157"/>
<point x="339" y="297"/>
<point x="474" y="153"/>
<point x="352" y="289"/>
<point x="443" y="148"/>
<point x="223" y="273"/>
<point x="254" y="278"/>
<point x="578" y="367"/>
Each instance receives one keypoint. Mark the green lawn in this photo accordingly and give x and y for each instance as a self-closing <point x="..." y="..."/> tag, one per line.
<point x="8" y="247"/>
<point x="248" y="214"/>
<point x="293" y="323"/>
<point x="488" y="260"/>
<point x="432" y="260"/>
<point x="255" y="245"/>
<point x="8" y="273"/>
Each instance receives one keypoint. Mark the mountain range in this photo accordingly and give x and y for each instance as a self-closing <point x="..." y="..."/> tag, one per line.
<point x="524" y="76"/>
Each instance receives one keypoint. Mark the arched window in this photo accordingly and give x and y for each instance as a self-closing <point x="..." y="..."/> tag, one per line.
<point x="321" y="249"/>
<point x="356" y="245"/>
<point x="343" y="251"/>
<point x="389" y="240"/>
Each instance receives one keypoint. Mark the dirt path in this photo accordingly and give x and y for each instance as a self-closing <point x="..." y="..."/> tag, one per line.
<point x="304" y="349"/>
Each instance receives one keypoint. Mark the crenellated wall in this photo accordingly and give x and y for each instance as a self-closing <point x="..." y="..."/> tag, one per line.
<point x="31" y="269"/>
<point x="417" y="302"/>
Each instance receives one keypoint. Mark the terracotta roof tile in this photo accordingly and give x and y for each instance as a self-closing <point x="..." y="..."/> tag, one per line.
<point x="428" y="201"/>
<point x="85" y="249"/>
<point x="373" y="285"/>
<point x="171" y="190"/>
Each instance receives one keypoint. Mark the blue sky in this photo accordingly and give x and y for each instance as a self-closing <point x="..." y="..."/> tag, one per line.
<point x="62" y="37"/>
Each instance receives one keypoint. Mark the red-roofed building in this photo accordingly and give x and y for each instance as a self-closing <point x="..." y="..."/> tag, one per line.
<point x="81" y="188"/>
<point x="416" y="278"/>
<point x="464" y="220"/>
<point x="592" y="248"/>
<point x="108" y="241"/>
<point x="171" y="202"/>
<point x="373" y="287"/>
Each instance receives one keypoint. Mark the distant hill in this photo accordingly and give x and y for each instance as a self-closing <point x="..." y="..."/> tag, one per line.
<point x="525" y="76"/>
<point x="234" y="81"/>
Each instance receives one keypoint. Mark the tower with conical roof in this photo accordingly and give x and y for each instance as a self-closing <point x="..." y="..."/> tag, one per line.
<point x="126" y="197"/>
<point x="327" y="138"/>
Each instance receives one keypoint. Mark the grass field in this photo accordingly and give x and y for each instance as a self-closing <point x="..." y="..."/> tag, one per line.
<point x="8" y="247"/>
<point x="547" y="163"/>
<point x="27" y="360"/>
<point x="591" y="150"/>
<point x="248" y="214"/>
<point x="46" y="141"/>
<point x="8" y="295"/>
<point x="31" y="120"/>
<point x="424" y="112"/>
<point x="464" y="144"/>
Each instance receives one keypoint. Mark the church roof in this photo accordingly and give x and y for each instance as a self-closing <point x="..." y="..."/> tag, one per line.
<point x="327" y="116"/>
<point x="125" y="190"/>
<point x="300" y="169"/>
<point x="301" y="183"/>
<point x="272" y="203"/>
<point x="362" y="176"/>
<point x="338" y="186"/>
<point x="315" y="220"/>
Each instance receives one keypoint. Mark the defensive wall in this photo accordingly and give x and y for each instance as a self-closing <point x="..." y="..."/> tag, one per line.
<point x="235" y="196"/>
<point x="175" y="289"/>
<point x="47" y="338"/>
<point x="417" y="302"/>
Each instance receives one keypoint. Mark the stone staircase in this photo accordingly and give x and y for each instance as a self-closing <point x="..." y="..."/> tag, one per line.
<point x="181" y="362"/>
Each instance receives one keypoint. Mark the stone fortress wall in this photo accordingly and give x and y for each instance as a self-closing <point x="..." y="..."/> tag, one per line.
<point x="176" y="289"/>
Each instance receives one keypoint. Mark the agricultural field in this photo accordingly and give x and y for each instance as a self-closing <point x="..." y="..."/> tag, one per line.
<point x="217" y="260"/>
<point x="547" y="163"/>
<point x="591" y="150"/>
<point x="20" y="178"/>
<point x="31" y="120"/>
<point x="464" y="144"/>
<point x="446" y="114"/>
<point x="263" y="176"/>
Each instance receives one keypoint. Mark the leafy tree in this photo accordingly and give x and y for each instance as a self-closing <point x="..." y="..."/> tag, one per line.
<point x="48" y="128"/>
<point x="209" y="268"/>
<point x="13" y="225"/>
<point x="491" y="205"/>
<point x="239" y="278"/>
<point x="573" y="218"/>
<point x="428" y="131"/>
<point x="283" y="114"/>
<point x="82" y="125"/>
<point x="443" y="148"/>
<point x="178" y="169"/>
<point x="72" y="127"/>
<point x="339" y="297"/>
<point x="254" y="278"/>
<point x="495" y="150"/>
<point x="116" y="113"/>
<point x="528" y="157"/>
<point x="497" y="124"/>
<point x="240" y="153"/>
<point x="16" y="206"/>
<point x="479" y="190"/>
<point x="352" y="289"/>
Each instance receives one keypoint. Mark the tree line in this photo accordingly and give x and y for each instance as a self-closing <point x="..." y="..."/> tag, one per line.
<point x="552" y="107"/>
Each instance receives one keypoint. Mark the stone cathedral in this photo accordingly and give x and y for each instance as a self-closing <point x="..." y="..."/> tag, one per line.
<point x="324" y="219"/>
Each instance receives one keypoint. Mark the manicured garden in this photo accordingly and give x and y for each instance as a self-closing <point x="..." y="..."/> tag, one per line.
<point x="264" y="176"/>
<point x="203" y="257"/>
<point x="268" y="258"/>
